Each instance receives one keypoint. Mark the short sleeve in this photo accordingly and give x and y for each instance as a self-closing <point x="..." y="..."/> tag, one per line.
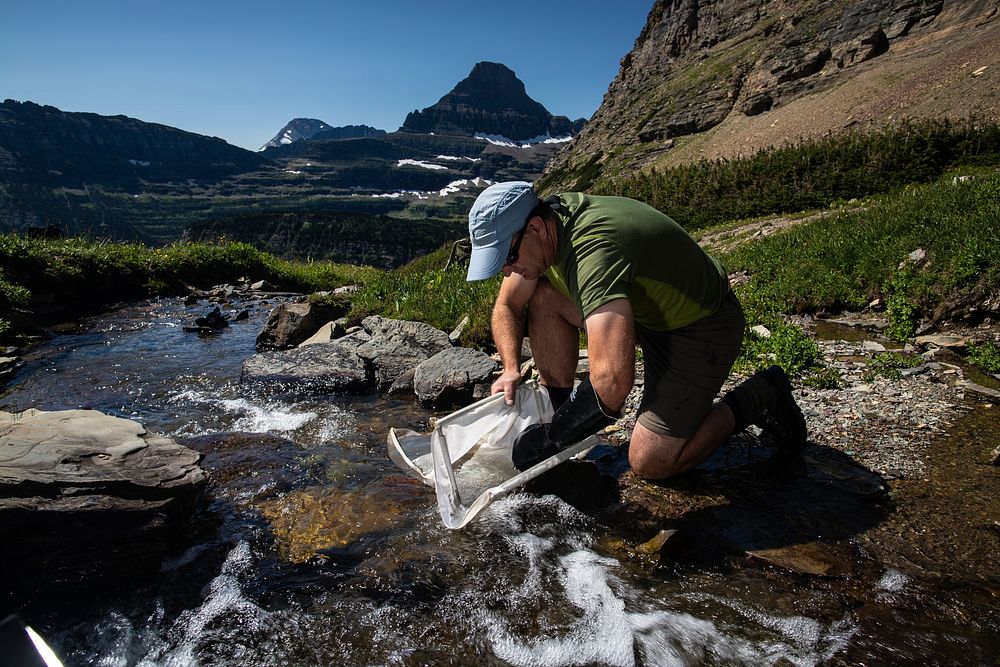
<point x="603" y="273"/>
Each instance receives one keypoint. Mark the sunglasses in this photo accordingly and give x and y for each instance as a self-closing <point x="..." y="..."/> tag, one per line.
<point x="515" y="249"/>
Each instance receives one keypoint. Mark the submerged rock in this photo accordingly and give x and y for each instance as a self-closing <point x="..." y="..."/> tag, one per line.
<point x="87" y="499"/>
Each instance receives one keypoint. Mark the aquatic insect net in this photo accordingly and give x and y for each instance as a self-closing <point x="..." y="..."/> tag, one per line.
<point x="467" y="455"/>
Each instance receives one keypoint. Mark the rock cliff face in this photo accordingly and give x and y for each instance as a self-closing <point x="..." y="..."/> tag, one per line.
<point x="717" y="78"/>
<point x="491" y="100"/>
<point x="300" y="129"/>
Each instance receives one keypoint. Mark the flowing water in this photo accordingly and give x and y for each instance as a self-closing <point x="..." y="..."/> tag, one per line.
<point x="313" y="549"/>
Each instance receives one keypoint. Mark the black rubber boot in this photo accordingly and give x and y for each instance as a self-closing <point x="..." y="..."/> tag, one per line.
<point x="765" y="400"/>
<point x="580" y="416"/>
<point x="558" y="395"/>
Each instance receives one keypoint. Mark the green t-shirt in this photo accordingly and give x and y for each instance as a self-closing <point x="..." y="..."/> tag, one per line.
<point x="613" y="247"/>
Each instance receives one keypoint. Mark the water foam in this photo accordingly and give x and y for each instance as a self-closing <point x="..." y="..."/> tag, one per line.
<point x="252" y="418"/>
<point x="225" y="600"/>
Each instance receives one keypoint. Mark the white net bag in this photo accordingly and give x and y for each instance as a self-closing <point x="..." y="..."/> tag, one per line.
<point x="466" y="458"/>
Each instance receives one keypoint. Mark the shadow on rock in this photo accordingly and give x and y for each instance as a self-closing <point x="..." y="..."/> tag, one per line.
<point x="797" y="514"/>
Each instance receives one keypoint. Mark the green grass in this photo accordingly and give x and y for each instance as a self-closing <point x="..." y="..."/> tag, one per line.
<point x="849" y="258"/>
<point x="87" y="274"/>
<point x="811" y="174"/>
<point x="986" y="356"/>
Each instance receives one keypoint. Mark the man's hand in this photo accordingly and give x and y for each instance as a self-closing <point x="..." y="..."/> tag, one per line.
<point x="507" y="383"/>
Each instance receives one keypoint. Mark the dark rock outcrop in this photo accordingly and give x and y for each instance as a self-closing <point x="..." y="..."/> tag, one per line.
<point x="292" y="323"/>
<point x="88" y="500"/>
<point x="491" y="100"/>
<point x="448" y="378"/>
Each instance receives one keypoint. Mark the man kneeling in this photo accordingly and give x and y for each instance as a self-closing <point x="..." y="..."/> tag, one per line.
<point x="628" y="275"/>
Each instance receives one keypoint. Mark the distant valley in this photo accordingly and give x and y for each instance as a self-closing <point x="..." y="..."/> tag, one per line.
<point x="353" y="194"/>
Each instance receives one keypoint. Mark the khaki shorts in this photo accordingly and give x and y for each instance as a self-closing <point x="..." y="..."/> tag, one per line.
<point x="685" y="369"/>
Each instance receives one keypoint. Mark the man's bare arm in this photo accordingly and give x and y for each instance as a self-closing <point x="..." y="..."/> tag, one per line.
<point x="611" y="349"/>
<point x="508" y="330"/>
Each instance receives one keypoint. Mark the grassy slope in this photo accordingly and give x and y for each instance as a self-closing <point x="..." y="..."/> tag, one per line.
<point x="841" y="260"/>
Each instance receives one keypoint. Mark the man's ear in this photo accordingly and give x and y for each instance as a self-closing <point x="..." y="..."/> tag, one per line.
<point x="537" y="223"/>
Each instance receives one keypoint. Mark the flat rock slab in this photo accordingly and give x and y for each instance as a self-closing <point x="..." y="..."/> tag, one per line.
<point x="85" y="452"/>
<point x="88" y="500"/>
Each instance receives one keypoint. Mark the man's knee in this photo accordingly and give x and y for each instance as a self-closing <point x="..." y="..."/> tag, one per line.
<point x="654" y="456"/>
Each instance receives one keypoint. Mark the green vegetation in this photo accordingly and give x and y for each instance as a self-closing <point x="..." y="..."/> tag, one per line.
<point x="87" y="274"/>
<point x="986" y="356"/>
<point x="849" y="258"/>
<point x="888" y="365"/>
<point x="808" y="174"/>
<point x="425" y="291"/>
<point x="842" y="260"/>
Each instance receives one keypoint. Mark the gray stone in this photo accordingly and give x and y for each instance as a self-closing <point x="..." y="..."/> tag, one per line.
<point x="397" y="346"/>
<point x="950" y="342"/>
<point x="333" y="366"/>
<point x="872" y="346"/>
<point x="995" y="456"/>
<point x="89" y="499"/>
<point x="323" y="335"/>
<point x="291" y="323"/>
<point x="449" y="377"/>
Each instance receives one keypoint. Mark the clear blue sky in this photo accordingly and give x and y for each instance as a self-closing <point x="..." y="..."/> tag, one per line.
<point x="241" y="70"/>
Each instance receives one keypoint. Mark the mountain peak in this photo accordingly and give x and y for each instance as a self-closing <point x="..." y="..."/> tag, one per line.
<point x="301" y="129"/>
<point x="491" y="100"/>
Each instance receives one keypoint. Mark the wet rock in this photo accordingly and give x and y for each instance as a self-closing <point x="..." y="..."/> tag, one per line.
<point x="291" y="323"/>
<point x="995" y="456"/>
<point x="212" y="320"/>
<point x="813" y="558"/>
<point x="89" y="500"/>
<point x="333" y="366"/>
<point x="242" y="315"/>
<point x="191" y="299"/>
<point x="397" y="346"/>
<point x="8" y="366"/>
<point x="403" y="384"/>
<point x="448" y="378"/>
<point x="262" y="286"/>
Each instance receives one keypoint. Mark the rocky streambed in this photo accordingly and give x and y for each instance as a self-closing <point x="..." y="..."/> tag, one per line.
<point x="310" y="547"/>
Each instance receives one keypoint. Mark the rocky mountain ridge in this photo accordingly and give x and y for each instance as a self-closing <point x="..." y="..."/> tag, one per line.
<point x="722" y="78"/>
<point x="121" y="178"/>
<point x="490" y="101"/>
<point x="300" y="129"/>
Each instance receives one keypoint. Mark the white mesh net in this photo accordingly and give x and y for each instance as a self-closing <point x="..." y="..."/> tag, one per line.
<point x="466" y="458"/>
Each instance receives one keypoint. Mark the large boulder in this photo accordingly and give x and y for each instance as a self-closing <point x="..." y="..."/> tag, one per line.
<point x="398" y="346"/>
<point x="87" y="499"/>
<point x="450" y="376"/>
<point x="291" y="323"/>
<point x="332" y="366"/>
